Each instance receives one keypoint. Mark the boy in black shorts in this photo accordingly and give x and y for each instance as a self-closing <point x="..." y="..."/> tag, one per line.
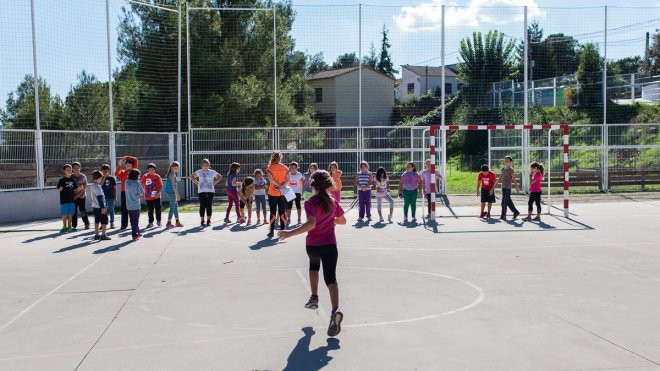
<point x="100" y="207"/>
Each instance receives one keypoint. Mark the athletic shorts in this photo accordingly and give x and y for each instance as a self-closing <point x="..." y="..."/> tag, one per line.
<point x="100" y="218"/>
<point x="67" y="209"/>
<point x="486" y="197"/>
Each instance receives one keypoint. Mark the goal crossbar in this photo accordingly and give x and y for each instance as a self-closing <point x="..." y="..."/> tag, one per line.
<point x="432" y="141"/>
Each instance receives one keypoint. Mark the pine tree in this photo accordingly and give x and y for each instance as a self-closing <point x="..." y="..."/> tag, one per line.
<point x="385" y="63"/>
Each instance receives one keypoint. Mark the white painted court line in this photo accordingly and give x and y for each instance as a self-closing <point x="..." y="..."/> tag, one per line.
<point x="51" y="292"/>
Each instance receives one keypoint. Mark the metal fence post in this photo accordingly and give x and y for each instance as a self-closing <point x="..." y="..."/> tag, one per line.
<point x="111" y="137"/>
<point x="525" y="133"/>
<point x="275" y="62"/>
<point x="605" y="153"/>
<point x="443" y="135"/>
<point x="360" y="65"/>
<point x="170" y="147"/>
<point x="554" y="92"/>
<point x="632" y="87"/>
<point x="38" y="141"/>
<point x="179" y="144"/>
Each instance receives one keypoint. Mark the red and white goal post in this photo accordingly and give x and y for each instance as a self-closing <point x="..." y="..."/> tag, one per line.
<point x="432" y="141"/>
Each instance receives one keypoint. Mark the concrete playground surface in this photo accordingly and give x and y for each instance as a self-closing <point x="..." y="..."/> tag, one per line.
<point x="563" y="294"/>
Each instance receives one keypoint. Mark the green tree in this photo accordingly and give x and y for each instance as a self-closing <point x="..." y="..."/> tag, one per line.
<point x="564" y="53"/>
<point x="625" y="65"/>
<point x="346" y="60"/>
<point x="652" y="57"/>
<point x="316" y="63"/>
<point x="20" y="112"/>
<point x="385" y="61"/>
<point x="589" y="76"/>
<point x="87" y="105"/>
<point x="371" y="60"/>
<point x="554" y="56"/>
<point x="482" y="61"/>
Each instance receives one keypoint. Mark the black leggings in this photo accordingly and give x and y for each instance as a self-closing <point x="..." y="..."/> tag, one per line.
<point x="326" y="254"/>
<point x="79" y="204"/>
<point x="277" y="206"/>
<point x="205" y="203"/>
<point x="289" y="205"/>
<point x="534" y="198"/>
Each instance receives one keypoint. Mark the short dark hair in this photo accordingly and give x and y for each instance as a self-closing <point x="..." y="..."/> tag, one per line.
<point x="66" y="166"/>
<point x="484" y="167"/>
<point x="294" y="164"/>
<point x="151" y="165"/>
<point x="508" y="158"/>
<point x="130" y="161"/>
<point x="97" y="174"/>
<point x="105" y="167"/>
<point x="134" y="174"/>
<point x="76" y="163"/>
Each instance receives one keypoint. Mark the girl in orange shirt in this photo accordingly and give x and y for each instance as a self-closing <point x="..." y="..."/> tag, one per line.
<point x="278" y="176"/>
<point x="335" y="173"/>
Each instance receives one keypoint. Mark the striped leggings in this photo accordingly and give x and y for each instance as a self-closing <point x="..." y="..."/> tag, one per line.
<point x="174" y="207"/>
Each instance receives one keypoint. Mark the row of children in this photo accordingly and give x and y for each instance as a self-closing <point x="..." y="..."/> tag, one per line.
<point x="487" y="181"/>
<point x="103" y="191"/>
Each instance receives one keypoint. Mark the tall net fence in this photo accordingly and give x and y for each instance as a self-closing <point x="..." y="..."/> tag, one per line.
<point x="326" y="83"/>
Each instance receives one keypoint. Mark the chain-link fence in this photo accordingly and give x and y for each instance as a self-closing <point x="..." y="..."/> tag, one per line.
<point x="157" y="78"/>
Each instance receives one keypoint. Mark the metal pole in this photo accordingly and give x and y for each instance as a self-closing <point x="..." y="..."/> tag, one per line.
<point x="360" y="66"/>
<point x="549" y="167"/>
<point x="191" y="147"/>
<point x="170" y="147"/>
<point x="112" y="148"/>
<point x="604" y="132"/>
<point x="513" y="93"/>
<point x="38" y="141"/>
<point x="525" y="133"/>
<point x="179" y="144"/>
<point x="275" y="61"/>
<point x="632" y="87"/>
<point x="554" y="92"/>
<point x="442" y="99"/>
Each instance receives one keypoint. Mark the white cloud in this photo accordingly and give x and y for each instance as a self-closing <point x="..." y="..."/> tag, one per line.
<point x="427" y="16"/>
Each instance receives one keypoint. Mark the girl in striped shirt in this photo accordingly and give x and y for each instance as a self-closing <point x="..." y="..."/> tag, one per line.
<point x="363" y="181"/>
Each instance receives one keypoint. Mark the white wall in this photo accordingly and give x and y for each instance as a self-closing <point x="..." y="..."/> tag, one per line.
<point x="327" y="106"/>
<point x="377" y="98"/>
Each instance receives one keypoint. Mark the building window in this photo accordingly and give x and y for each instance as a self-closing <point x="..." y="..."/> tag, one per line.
<point x="318" y="95"/>
<point x="448" y="90"/>
<point x="460" y="86"/>
<point x="411" y="88"/>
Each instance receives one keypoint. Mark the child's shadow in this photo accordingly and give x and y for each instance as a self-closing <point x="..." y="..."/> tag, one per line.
<point x="409" y="224"/>
<point x="268" y="242"/>
<point x="87" y="242"/>
<point x="197" y="229"/>
<point x="154" y="232"/>
<point x="361" y="224"/>
<point x="44" y="237"/>
<point x="302" y="358"/>
<point x="379" y="225"/>
<point x="113" y="247"/>
<point x="490" y="221"/>
<point x="222" y="226"/>
<point x="515" y="223"/>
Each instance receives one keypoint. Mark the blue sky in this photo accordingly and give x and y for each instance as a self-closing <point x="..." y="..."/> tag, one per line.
<point x="71" y="35"/>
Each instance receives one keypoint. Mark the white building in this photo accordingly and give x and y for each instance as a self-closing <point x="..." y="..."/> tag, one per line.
<point x="336" y="96"/>
<point x="418" y="80"/>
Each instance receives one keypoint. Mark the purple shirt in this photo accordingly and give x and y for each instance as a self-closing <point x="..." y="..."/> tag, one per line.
<point x="324" y="231"/>
<point x="426" y="177"/>
<point x="410" y="180"/>
<point x="536" y="182"/>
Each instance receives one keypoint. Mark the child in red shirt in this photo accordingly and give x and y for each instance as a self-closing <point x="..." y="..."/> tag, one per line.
<point x="153" y="186"/>
<point x="486" y="181"/>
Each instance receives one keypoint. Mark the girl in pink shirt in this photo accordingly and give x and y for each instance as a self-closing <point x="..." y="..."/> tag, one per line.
<point x="536" y="177"/>
<point x="323" y="212"/>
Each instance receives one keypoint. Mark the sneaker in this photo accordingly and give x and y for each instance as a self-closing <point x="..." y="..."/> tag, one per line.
<point x="360" y="220"/>
<point x="258" y="221"/>
<point x="227" y="220"/>
<point x="208" y="223"/>
<point x="270" y="234"/>
<point x="488" y="215"/>
<point x="537" y="219"/>
<point x="112" y="226"/>
<point x="405" y="220"/>
<point x="139" y="235"/>
<point x="203" y="224"/>
<point x="483" y="213"/>
<point x="265" y="221"/>
<point x="335" y="324"/>
<point x="150" y="225"/>
<point x="248" y="222"/>
<point x="380" y="220"/>
<point x="241" y="221"/>
<point x="299" y="222"/>
<point x="64" y="229"/>
<point x="527" y="218"/>
<point x="158" y="223"/>
<point x="389" y="218"/>
<point x="368" y="219"/>
<point x="503" y="217"/>
<point x="135" y="238"/>
<point x="515" y="215"/>
<point x="97" y="237"/>
<point x="313" y="302"/>
<point x="169" y="225"/>
<point x="72" y="229"/>
<point x="178" y="224"/>
<point x="86" y="226"/>
<point x="105" y="238"/>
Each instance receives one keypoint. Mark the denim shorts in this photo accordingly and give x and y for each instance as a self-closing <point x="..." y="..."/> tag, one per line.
<point x="67" y="209"/>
